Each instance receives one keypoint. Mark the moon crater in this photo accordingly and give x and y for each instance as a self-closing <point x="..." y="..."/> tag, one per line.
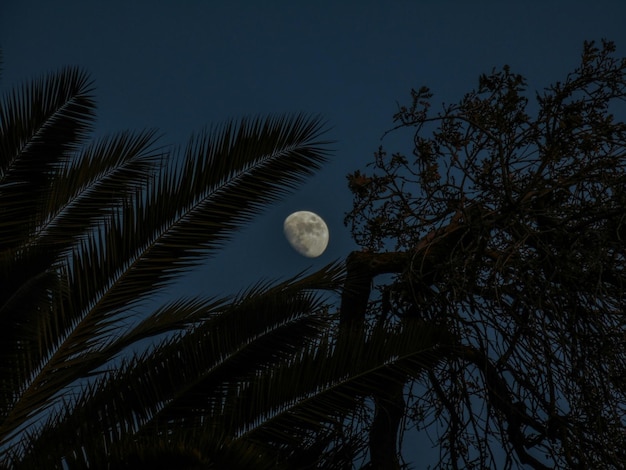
<point x="307" y="233"/>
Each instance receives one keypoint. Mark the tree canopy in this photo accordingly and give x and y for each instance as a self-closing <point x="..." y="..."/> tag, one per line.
<point x="504" y="227"/>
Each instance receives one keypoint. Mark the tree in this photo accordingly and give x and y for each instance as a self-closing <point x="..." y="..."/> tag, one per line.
<point x="504" y="230"/>
<point x="88" y="233"/>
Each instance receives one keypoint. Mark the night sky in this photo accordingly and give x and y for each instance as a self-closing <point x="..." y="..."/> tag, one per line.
<point x="180" y="66"/>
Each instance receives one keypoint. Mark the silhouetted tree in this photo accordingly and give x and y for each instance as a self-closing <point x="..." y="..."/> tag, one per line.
<point x="505" y="230"/>
<point x="88" y="232"/>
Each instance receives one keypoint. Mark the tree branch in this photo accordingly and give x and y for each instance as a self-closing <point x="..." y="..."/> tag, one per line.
<point x="362" y="267"/>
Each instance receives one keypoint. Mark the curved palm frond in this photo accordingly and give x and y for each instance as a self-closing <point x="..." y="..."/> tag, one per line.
<point x="99" y="178"/>
<point x="181" y="383"/>
<point x="266" y="393"/>
<point x="315" y="392"/>
<point x="41" y="125"/>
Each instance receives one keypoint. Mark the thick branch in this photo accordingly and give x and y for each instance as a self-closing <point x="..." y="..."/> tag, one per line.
<point x="362" y="267"/>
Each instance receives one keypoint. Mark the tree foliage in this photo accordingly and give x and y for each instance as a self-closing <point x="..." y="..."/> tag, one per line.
<point x="505" y="228"/>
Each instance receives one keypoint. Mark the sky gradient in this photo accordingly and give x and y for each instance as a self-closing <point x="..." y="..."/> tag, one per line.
<point x="180" y="66"/>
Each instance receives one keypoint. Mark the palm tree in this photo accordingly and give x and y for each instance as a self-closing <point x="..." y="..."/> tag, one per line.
<point x="90" y="231"/>
<point x="91" y="373"/>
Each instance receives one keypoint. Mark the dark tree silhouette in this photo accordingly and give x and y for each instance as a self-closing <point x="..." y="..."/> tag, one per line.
<point x="88" y="233"/>
<point x="505" y="230"/>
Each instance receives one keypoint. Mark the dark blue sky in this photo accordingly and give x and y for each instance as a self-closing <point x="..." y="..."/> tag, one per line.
<point x="179" y="66"/>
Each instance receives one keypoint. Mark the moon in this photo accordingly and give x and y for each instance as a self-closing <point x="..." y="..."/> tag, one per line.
<point x="307" y="233"/>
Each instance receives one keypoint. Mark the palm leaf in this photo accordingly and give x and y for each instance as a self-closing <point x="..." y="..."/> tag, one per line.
<point x="40" y="126"/>
<point x="183" y="379"/>
<point x="87" y="186"/>
<point x="324" y="381"/>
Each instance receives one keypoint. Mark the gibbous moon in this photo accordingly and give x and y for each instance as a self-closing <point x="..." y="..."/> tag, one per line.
<point x="307" y="233"/>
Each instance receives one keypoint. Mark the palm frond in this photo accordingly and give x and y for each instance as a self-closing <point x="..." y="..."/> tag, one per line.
<point x="97" y="179"/>
<point x="325" y="379"/>
<point x="160" y="234"/>
<point x="276" y="409"/>
<point x="40" y="126"/>
<point x="194" y="367"/>
<point x="84" y="188"/>
<point x="147" y="243"/>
